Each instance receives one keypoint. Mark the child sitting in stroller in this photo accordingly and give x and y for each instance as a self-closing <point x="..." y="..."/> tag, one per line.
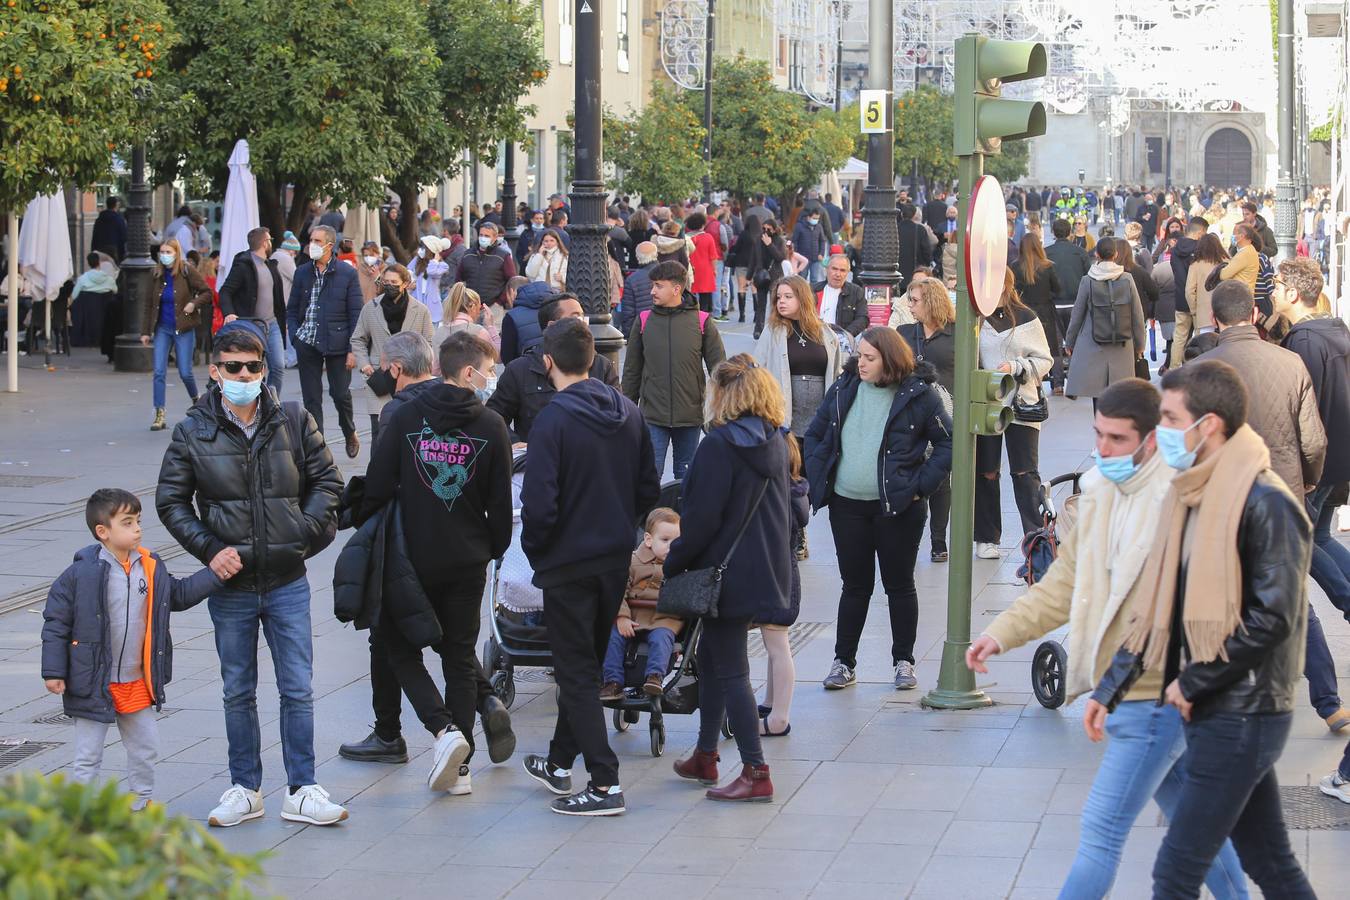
<point x="638" y="611"/>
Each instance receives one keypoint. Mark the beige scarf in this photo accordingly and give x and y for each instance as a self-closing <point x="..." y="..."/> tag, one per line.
<point x="1217" y="490"/>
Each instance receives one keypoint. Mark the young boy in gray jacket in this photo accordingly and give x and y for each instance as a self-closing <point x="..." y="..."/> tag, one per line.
<point x="105" y="642"/>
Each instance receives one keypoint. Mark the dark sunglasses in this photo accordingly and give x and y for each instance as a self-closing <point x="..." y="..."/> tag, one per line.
<point x="234" y="366"/>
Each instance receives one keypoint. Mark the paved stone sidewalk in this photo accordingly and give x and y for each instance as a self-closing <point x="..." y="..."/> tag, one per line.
<point x="876" y="797"/>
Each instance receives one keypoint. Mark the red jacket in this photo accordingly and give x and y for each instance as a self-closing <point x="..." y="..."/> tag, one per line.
<point x="704" y="261"/>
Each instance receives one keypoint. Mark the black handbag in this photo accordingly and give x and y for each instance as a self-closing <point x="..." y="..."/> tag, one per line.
<point x="1032" y="412"/>
<point x="696" y="593"/>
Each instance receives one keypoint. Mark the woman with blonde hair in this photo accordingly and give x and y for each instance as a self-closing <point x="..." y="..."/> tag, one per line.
<point x="735" y="514"/>
<point x="173" y="309"/>
<point x="868" y="459"/>
<point x="464" y="312"/>
<point x="799" y="351"/>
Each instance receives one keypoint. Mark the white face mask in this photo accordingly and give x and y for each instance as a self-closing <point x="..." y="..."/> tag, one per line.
<point x="421" y="252"/>
<point x="316" y="251"/>
<point x="372" y="260"/>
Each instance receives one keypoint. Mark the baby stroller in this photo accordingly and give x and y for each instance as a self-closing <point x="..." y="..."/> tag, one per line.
<point x="1039" y="548"/>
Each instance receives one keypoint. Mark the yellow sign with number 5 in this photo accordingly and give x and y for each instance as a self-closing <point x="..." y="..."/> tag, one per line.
<point x="874" y="109"/>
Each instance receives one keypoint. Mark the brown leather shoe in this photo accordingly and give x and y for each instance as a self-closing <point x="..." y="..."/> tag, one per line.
<point x="353" y="445"/>
<point x="611" y="690"/>
<point x="652" y="686"/>
<point x="700" y="767"/>
<point x="752" y="785"/>
<point x="1338" y="720"/>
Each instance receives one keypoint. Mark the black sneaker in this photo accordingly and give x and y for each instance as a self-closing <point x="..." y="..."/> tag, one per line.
<point x="501" y="740"/>
<point x="375" y="749"/>
<point x="590" y="802"/>
<point x="537" y="767"/>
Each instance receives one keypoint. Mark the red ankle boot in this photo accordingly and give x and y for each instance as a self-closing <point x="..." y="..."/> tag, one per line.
<point x="753" y="784"/>
<point x="700" y="767"/>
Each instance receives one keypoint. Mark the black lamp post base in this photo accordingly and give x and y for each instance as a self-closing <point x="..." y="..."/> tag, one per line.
<point x="130" y="355"/>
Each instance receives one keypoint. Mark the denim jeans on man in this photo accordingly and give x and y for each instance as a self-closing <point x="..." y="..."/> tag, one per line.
<point x="283" y="614"/>
<point x="1330" y="558"/>
<point x="276" y="356"/>
<point x="1320" y="668"/>
<point x="660" y="644"/>
<point x="1144" y="742"/>
<point x="1230" y="790"/>
<point x="184" y="344"/>
<point x="685" y="442"/>
<point x="815" y="271"/>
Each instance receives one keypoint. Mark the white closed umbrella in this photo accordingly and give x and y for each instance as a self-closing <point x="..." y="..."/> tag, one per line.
<point x="239" y="215"/>
<point x="44" y="253"/>
<point x="363" y="224"/>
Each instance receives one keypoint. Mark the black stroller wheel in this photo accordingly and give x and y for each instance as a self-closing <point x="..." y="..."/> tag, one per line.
<point x="658" y="736"/>
<point x="631" y="716"/>
<point x="503" y="684"/>
<point x="492" y="655"/>
<point x="726" y="728"/>
<point x="620" y="721"/>
<point x="1049" y="667"/>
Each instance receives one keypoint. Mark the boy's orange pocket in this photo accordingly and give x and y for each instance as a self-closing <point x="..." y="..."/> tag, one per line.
<point x="130" y="696"/>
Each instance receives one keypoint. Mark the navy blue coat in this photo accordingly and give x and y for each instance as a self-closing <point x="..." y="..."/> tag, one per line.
<point x="520" y="328"/>
<point x="916" y="420"/>
<point x="75" y="634"/>
<point x="340" y="304"/>
<point x="728" y="468"/>
<point x="637" y="297"/>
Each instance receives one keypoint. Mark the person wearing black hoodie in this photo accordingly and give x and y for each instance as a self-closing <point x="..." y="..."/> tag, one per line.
<point x="589" y="474"/>
<point x="447" y="460"/>
<point x="1183" y="254"/>
<point x="739" y="479"/>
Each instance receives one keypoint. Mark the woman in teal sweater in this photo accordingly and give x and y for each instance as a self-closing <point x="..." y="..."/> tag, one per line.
<point x="868" y="459"/>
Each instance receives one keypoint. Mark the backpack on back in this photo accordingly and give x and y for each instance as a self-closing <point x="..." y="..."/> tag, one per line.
<point x="1110" y="317"/>
<point x="647" y="314"/>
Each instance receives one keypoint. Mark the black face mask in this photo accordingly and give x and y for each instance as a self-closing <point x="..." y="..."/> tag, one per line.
<point x="392" y="293"/>
<point x="381" y="383"/>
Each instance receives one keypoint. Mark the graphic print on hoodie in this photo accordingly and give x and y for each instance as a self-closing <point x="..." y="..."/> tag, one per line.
<point x="445" y="462"/>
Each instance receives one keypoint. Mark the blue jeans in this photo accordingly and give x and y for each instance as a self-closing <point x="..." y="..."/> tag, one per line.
<point x="1320" y="669"/>
<point x="1230" y="791"/>
<point x="284" y="615"/>
<point x="184" y="343"/>
<point x="1330" y="558"/>
<point x="1146" y="741"/>
<point x="660" y="644"/>
<point x="685" y="442"/>
<point x="276" y="356"/>
<point x="719" y="291"/>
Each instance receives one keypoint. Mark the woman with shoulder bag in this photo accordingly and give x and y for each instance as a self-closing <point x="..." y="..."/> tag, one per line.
<point x="766" y="269"/>
<point x="1012" y="340"/>
<point x="735" y="495"/>
<point x="868" y="460"/>
<point x="1107" y="328"/>
<point x="392" y="312"/>
<point x="932" y="337"/>
<point x="173" y="309"/>
<point x="799" y="351"/>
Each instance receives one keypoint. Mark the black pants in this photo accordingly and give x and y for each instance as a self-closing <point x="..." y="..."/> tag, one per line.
<point x="456" y="604"/>
<point x="579" y="616"/>
<point x="863" y="537"/>
<point x="312" y="364"/>
<point x="386" y="698"/>
<point x="761" y="305"/>
<point x="1057" y="351"/>
<point x="374" y="428"/>
<point x="724" y="689"/>
<point x="939" y="513"/>
<point x="705" y="302"/>
<point x="1023" y="459"/>
<point x="1230" y="791"/>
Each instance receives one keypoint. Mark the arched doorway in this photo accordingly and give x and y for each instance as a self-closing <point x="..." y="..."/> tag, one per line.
<point x="1228" y="158"/>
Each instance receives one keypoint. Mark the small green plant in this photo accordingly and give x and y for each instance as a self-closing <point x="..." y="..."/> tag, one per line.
<point x="60" y="839"/>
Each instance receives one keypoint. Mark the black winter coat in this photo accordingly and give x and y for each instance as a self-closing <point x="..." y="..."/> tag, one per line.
<point x="1071" y="265"/>
<point x="1265" y="654"/>
<point x="524" y="389"/>
<point x="728" y="469"/>
<point x="1323" y="344"/>
<point x="75" y="634"/>
<point x="276" y="504"/>
<point x="800" y="504"/>
<point x="916" y="421"/>
<point x="239" y="293"/>
<point x="374" y="581"/>
<point x="851" y="312"/>
<point x="1040" y="295"/>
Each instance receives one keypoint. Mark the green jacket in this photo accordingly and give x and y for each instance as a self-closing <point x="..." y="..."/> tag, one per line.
<point x="663" y="371"/>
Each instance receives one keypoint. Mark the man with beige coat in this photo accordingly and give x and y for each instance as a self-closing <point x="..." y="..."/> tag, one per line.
<point x="1092" y="586"/>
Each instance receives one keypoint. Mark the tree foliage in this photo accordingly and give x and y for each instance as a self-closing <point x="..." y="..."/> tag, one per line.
<point x="71" y="76"/>
<point x="657" y="153"/>
<point x="764" y="139"/>
<point x="1011" y="163"/>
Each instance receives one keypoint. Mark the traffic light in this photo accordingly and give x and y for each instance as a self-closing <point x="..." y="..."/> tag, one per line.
<point x="983" y="118"/>
<point x="991" y="404"/>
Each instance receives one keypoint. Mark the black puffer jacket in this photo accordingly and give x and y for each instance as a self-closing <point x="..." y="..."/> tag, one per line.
<point x="1265" y="653"/>
<point x="374" y="581"/>
<point x="916" y="420"/>
<point x="275" y="504"/>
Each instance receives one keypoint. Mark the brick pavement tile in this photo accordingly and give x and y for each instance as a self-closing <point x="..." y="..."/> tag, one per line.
<point x="393" y="853"/>
<point x="739" y="820"/>
<point x="590" y="862"/>
<point x="1045" y="869"/>
<point x="654" y="886"/>
<point x="994" y="839"/>
<point x="359" y="884"/>
<point x="925" y="746"/>
<point x="681" y="855"/>
<point x="469" y="882"/>
<point x="928" y="787"/>
<point x="300" y="858"/>
<point x="842" y="788"/>
<point x="540" y="889"/>
<point x="961" y="877"/>
<point x="790" y="831"/>
<point x="894" y="867"/>
<point x="500" y="843"/>
<point x="1025" y="893"/>
<point x="1058" y="832"/>
<point x="1009" y="795"/>
<point x="762" y="867"/>
<point x="916" y="827"/>
<point x="450" y="819"/>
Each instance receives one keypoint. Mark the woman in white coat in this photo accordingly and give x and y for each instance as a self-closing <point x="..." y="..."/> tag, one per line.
<point x="799" y="351"/>
<point x="430" y="268"/>
<point x="548" y="263"/>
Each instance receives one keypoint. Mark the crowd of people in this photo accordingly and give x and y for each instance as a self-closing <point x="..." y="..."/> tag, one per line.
<point x="1184" y="581"/>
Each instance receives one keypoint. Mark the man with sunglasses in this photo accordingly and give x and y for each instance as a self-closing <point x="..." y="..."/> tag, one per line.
<point x="248" y="473"/>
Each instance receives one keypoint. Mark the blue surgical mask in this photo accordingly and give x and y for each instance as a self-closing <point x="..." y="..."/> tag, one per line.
<point x="166" y="259"/>
<point x="1172" y="446"/>
<point x="1118" y="469"/>
<point x="536" y="226"/>
<point x="484" y="392"/>
<point x="814" y="220"/>
<point x="484" y="241"/>
<point x="241" y="393"/>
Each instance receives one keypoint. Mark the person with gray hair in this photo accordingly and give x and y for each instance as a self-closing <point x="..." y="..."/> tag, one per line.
<point x="254" y="290"/>
<point x="321" y="316"/>
<point x="637" y="287"/>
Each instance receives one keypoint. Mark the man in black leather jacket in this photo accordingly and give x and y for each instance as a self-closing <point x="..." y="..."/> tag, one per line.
<point x="1238" y="706"/>
<point x="264" y="485"/>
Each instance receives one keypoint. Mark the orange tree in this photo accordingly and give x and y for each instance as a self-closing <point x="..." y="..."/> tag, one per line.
<point x="74" y="79"/>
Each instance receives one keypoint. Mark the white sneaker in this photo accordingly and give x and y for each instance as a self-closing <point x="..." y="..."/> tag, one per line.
<point x="238" y="804"/>
<point x="986" y="551"/>
<point x="450" y="751"/>
<point x="461" y="785"/>
<point x="1334" y="785"/>
<point x="310" y="804"/>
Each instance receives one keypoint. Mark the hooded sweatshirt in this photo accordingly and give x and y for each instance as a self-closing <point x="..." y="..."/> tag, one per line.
<point x="448" y="460"/>
<point x="1183" y="254"/>
<point x="1323" y="343"/>
<point x="719" y="489"/>
<point x="590" y="473"/>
